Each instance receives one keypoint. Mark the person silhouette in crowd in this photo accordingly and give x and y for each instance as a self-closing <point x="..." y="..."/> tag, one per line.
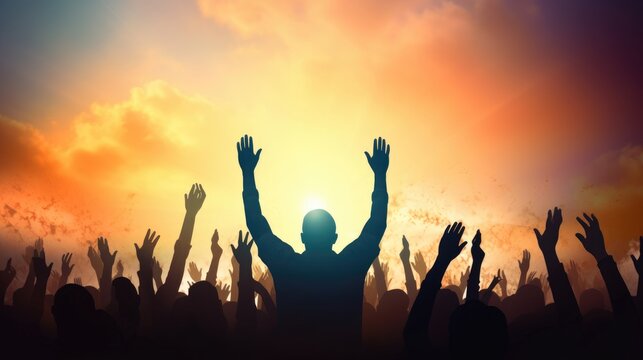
<point x="319" y="292"/>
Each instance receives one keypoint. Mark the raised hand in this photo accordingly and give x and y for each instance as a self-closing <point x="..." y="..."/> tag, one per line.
<point x="450" y="246"/>
<point x="157" y="272"/>
<point x="95" y="261"/>
<point x="119" y="269"/>
<point x="194" y="199"/>
<point x="66" y="266"/>
<point x="78" y="281"/>
<point x="405" y="254"/>
<point x="194" y="272"/>
<point x="145" y="253"/>
<point x="503" y="283"/>
<point x="593" y="240"/>
<point x="497" y="279"/>
<point x="370" y="290"/>
<point x="549" y="238"/>
<point x="526" y="260"/>
<point x="247" y="158"/>
<point x="223" y="290"/>
<point x="105" y="255"/>
<point x="242" y="251"/>
<point x="380" y="158"/>
<point x="419" y="265"/>
<point x="476" y="251"/>
<point x="41" y="269"/>
<point x="638" y="263"/>
<point x="215" y="248"/>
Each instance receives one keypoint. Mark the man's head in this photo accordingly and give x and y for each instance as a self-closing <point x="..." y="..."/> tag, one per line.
<point x="318" y="230"/>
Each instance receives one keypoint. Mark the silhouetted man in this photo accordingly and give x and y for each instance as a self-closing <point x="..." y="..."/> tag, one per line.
<point x="319" y="292"/>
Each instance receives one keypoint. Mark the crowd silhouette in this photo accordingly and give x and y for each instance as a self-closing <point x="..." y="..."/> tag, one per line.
<point x="320" y="303"/>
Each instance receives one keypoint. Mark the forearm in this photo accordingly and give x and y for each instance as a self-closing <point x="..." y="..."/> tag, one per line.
<point x="561" y="289"/>
<point x="417" y="324"/>
<point x="246" y="310"/>
<point x="622" y="303"/>
<point x="181" y="252"/>
<point x="523" y="279"/>
<point x="380" y="279"/>
<point x="63" y="280"/>
<point x="411" y="286"/>
<point x="37" y="301"/>
<point x="211" y="275"/>
<point x="158" y="280"/>
<point x="105" y="285"/>
<point x="255" y="221"/>
<point x="487" y="295"/>
<point x="473" y="283"/>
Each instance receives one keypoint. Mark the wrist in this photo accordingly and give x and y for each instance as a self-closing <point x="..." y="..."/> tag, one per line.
<point x="600" y="256"/>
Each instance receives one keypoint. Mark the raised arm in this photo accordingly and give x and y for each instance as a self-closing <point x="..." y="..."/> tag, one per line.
<point x="405" y="256"/>
<point x="42" y="272"/>
<point x="378" y="161"/>
<point x="473" y="283"/>
<point x="487" y="295"/>
<point x="561" y="289"/>
<point x="193" y="202"/>
<point x="246" y="309"/>
<point x="217" y="251"/>
<point x="65" y="269"/>
<point x="105" y="283"/>
<point x="145" y="256"/>
<point x="524" y="268"/>
<point x="417" y="324"/>
<point x="248" y="159"/>
<point x="622" y="304"/>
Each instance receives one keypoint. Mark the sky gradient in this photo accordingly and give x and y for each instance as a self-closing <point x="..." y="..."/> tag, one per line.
<point x="495" y="110"/>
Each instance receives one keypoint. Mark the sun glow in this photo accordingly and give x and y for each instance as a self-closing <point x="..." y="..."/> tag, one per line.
<point x="312" y="203"/>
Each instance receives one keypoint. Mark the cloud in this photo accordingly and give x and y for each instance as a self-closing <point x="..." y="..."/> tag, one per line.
<point x="612" y="188"/>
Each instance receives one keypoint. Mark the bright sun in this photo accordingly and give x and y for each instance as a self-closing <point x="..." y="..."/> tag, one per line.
<point x="312" y="203"/>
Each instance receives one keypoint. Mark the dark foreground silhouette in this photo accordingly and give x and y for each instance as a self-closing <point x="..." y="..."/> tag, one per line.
<point x="320" y="303"/>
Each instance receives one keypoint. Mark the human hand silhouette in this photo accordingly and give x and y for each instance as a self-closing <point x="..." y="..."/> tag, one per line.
<point x="145" y="253"/>
<point x="638" y="263"/>
<point x="526" y="260"/>
<point x="593" y="240"/>
<point x="40" y="267"/>
<point x="6" y="276"/>
<point x="549" y="238"/>
<point x="476" y="251"/>
<point x="450" y="246"/>
<point x="194" y="199"/>
<point x="215" y="248"/>
<point x="119" y="269"/>
<point x="66" y="266"/>
<point x="574" y="275"/>
<point x="405" y="254"/>
<point x="195" y="273"/>
<point x="248" y="159"/>
<point x="223" y="290"/>
<point x="464" y="276"/>
<point x="94" y="260"/>
<point x="380" y="158"/>
<point x="242" y="251"/>
<point x="497" y="279"/>
<point x="105" y="255"/>
<point x="370" y="290"/>
<point x="419" y="265"/>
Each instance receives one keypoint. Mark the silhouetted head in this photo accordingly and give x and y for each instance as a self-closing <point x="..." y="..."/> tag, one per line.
<point x="318" y="230"/>
<point x="73" y="310"/>
<point x="125" y="297"/>
<point x="477" y="331"/>
<point x="445" y="304"/>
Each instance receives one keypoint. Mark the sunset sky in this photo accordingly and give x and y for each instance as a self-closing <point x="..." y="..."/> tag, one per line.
<point x="496" y="110"/>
